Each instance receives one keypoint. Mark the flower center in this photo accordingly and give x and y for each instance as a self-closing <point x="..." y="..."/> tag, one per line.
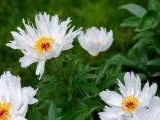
<point x="130" y="103"/>
<point x="99" y="42"/>
<point x="43" y="45"/>
<point x="4" y="111"/>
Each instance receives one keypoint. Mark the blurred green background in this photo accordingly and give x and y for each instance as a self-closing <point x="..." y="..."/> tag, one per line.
<point x="85" y="13"/>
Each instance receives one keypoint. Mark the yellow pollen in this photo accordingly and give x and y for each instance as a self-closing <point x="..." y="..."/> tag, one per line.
<point x="43" y="44"/>
<point x="130" y="103"/>
<point x="4" y="111"/>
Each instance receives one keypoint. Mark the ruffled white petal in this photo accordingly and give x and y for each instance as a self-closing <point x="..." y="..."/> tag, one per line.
<point x="69" y="38"/>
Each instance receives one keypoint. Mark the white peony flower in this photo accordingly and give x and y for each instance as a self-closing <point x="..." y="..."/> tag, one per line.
<point x="95" y="40"/>
<point x="43" y="42"/>
<point x="126" y="105"/>
<point x="14" y="100"/>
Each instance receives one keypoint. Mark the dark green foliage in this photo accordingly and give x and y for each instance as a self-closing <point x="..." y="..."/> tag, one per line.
<point x="146" y="49"/>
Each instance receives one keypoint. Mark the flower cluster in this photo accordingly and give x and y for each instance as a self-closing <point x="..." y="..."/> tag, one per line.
<point x="44" y="41"/>
<point x="133" y="103"/>
<point x="50" y="37"/>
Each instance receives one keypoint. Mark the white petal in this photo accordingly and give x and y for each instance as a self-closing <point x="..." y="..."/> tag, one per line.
<point x="69" y="38"/>
<point x="40" y="68"/>
<point x="142" y="97"/>
<point x="13" y="45"/>
<point x="67" y="46"/>
<point x="55" y="52"/>
<point x="27" y="60"/>
<point x="20" y="118"/>
<point x="108" y="41"/>
<point x="111" y="113"/>
<point x="111" y="98"/>
<point x="122" y="88"/>
<point x="147" y="94"/>
<point x="128" y="83"/>
<point x="137" y="86"/>
<point x="132" y="84"/>
<point x="152" y="90"/>
<point x="28" y="94"/>
<point x="154" y="108"/>
<point x="143" y="114"/>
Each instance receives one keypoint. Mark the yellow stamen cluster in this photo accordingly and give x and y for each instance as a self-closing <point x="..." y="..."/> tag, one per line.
<point x="43" y="44"/>
<point x="4" y="111"/>
<point x="130" y="103"/>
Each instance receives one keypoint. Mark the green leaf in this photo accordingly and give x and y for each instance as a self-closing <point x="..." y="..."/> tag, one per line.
<point x="47" y="90"/>
<point x="90" y="88"/>
<point x="60" y="102"/>
<point x="80" y="115"/>
<point x="150" y="20"/>
<point x="52" y="112"/>
<point x="142" y="42"/>
<point x="120" y="59"/>
<point x="156" y="44"/>
<point x="142" y="35"/>
<point x="154" y="5"/>
<point x="70" y="92"/>
<point x="130" y="22"/>
<point x="94" y="103"/>
<point x="83" y="72"/>
<point x="60" y="118"/>
<point x="36" y="115"/>
<point x="157" y="74"/>
<point x="135" y="9"/>
<point x="102" y="70"/>
<point x="154" y="62"/>
<point x="57" y="64"/>
<point x="84" y="114"/>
